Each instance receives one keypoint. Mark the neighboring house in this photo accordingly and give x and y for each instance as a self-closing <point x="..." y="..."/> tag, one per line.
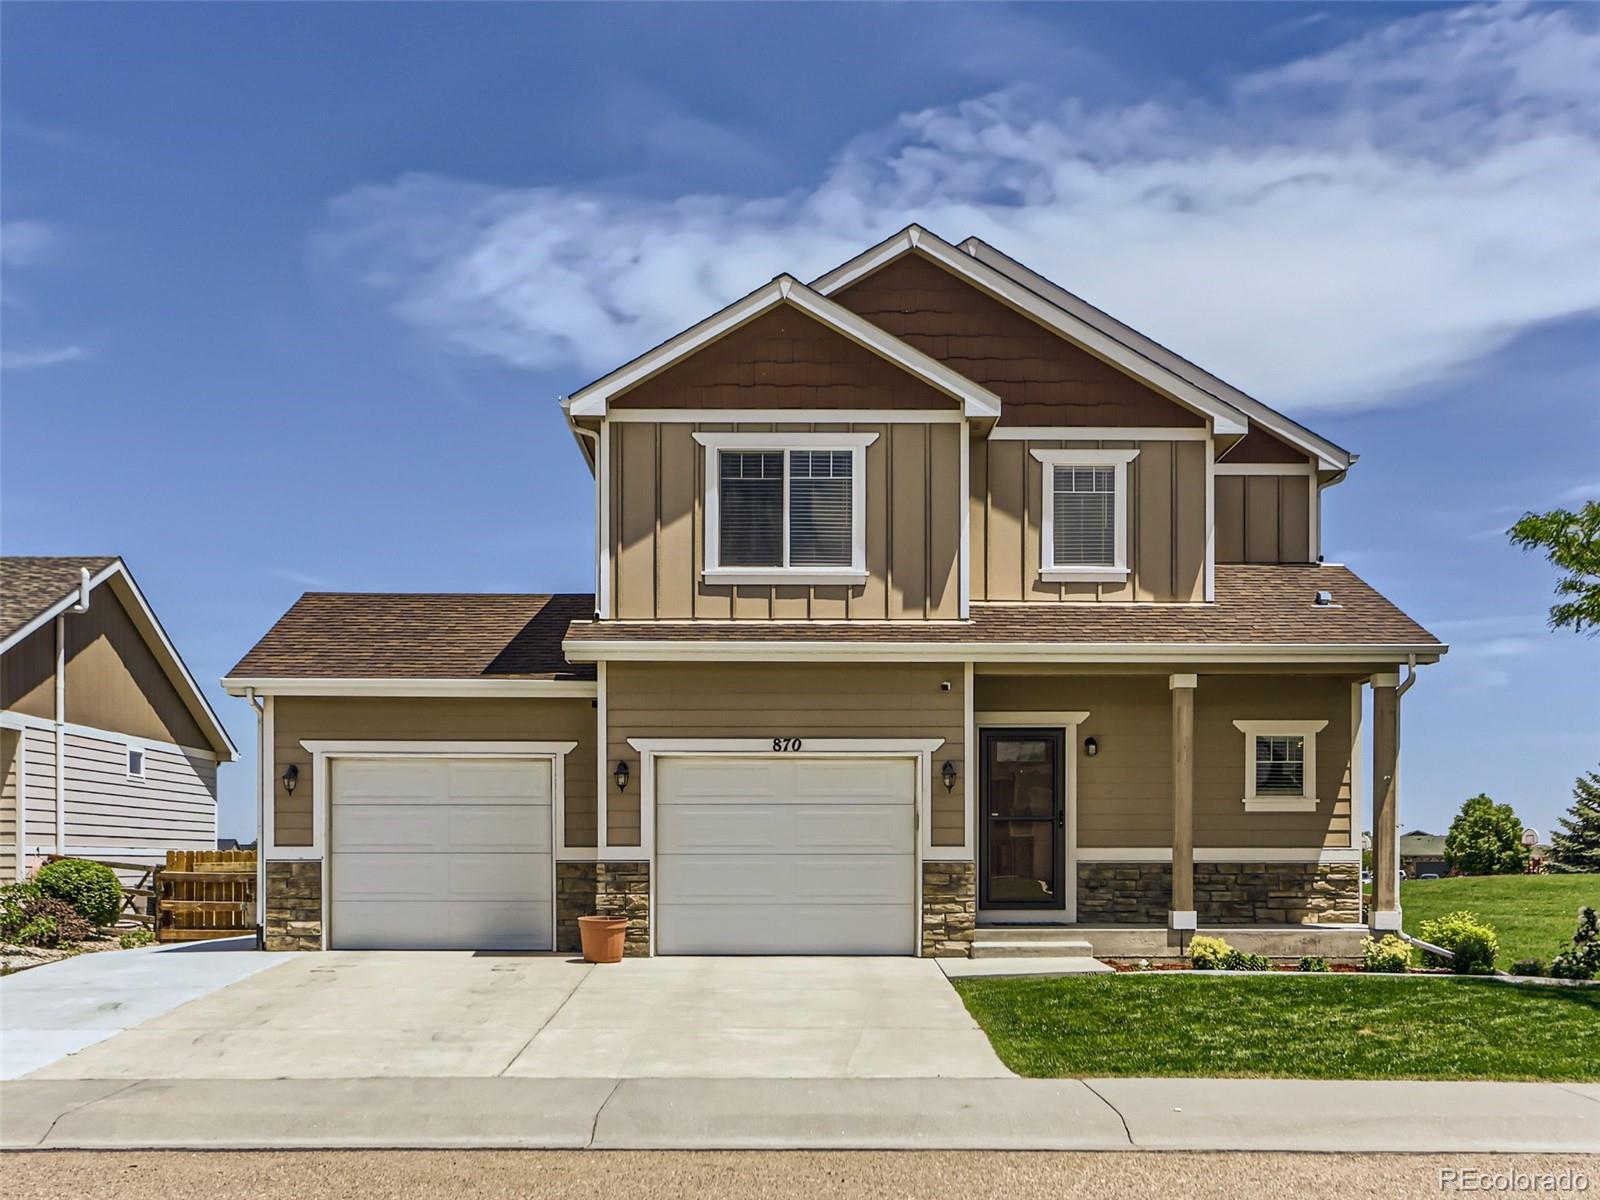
<point x="1422" y="854"/>
<point x="108" y="749"/>
<point x="927" y="597"/>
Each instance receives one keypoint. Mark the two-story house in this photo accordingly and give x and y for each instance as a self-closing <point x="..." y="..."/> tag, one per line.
<point x="929" y="600"/>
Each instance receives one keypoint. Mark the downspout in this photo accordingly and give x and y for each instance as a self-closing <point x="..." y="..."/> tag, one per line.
<point x="1401" y="690"/>
<point x="261" y="811"/>
<point x="81" y="606"/>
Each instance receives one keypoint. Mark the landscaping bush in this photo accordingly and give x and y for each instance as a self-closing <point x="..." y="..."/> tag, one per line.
<point x="1208" y="953"/>
<point x="30" y="918"/>
<point x="1391" y="956"/>
<point x="1580" y="960"/>
<point x="1527" y="966"/>
<point x="1313" y="964"/>
<point x="132" y="938"/>
<point x="1238" y="960"/>
<point x="90" y="887"/>
<point x="1473" y="943"/>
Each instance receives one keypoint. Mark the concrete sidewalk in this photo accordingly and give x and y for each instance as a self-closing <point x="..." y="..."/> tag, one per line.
<point x="1007" y="1114"/>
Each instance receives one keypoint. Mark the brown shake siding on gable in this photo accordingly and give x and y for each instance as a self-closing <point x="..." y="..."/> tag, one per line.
<point x="1043" y="378"/>
<point x="913" y="516"/>
<point x="764" y="700"/>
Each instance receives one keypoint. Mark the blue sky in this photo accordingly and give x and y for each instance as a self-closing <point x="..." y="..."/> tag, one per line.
<point x="289" y="290"/>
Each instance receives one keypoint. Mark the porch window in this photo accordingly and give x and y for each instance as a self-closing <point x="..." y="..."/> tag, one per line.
<point x="1280" y="768"/>
<point x="1084" y="533"/>
<point x="785" y="508"/>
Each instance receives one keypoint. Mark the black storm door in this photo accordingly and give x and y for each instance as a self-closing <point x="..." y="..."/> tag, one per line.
<point x="1023" y="831"/>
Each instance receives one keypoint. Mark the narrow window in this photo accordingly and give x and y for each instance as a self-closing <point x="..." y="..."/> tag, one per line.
<point x="819" y="508"/>
<point x="1085" y="516"/>
<point x="135" y="763"/>
<point x="1280" y="765"/>
<point x="750" y="489"/>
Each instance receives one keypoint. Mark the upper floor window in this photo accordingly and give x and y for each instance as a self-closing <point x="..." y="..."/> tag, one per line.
<point x="785" y="508"/>
<point x="1084" y="531"/>
<point x="135" y="762"/>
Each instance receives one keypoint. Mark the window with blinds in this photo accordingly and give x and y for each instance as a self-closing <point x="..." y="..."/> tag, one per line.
<point x="750" y="496"/>
<point x="1280" y="765"/>
<point x="1084" y="513"/>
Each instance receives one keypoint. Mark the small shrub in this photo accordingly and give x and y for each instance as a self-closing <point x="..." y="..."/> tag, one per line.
<point x="1527" y="966"/>
<point x="90" y="887"/>
<point x="44" y="921"/>
<point x="1390" y="956"/>
<point x="1580" y="960"/>
<point x="1473" y="943"/>
<point x="1313" y="964"/>
<point x="14" y="898"/>
<point x="1238" y="960"/>
<point x="131" y="939"/>
<point x="1208" y="953"/>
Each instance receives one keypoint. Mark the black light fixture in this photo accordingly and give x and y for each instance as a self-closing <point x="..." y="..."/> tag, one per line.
<point x="1091" y="747"/>
<point x="291" y="776"/>
<point x="948" y="774"/>
<point x="621" y="775"/>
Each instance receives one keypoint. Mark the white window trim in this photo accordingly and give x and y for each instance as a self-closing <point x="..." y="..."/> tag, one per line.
<point x="1117" y="570"/>
<point x="1280" y="804"/>
<point x="855" y="443"/>
<point x="132" y="748"/>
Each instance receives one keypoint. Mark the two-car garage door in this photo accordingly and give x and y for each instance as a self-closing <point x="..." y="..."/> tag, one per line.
<point x="785" y="855"/>
<point x="441" y="853"/>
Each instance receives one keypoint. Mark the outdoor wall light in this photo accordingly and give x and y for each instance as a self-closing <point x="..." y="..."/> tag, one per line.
<point x="1091" y="747"/>
<point x="621" y="775"/>
<point x="291" y="776"/>
<point x="948" y="774"/>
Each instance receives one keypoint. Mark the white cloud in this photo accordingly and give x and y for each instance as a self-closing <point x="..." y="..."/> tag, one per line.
<point x="40" y="356"/>
<point x="23" y="243"/>
<point x="1329" y="234"/>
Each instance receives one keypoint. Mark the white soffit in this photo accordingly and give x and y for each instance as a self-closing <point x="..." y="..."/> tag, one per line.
<point x="976" y="401"/>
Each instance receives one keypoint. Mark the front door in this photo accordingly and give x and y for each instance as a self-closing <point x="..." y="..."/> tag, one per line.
<point x="1023" y="832"/>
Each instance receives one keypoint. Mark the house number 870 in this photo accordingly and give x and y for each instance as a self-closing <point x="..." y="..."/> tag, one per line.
<point x="782" y="745"/>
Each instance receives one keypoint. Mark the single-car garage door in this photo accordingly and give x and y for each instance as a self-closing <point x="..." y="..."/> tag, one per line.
<point x="440" y="854"/>
<point x="785" y="855"/>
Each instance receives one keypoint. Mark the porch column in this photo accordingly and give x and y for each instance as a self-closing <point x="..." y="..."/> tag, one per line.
<point x="1385" y="912"/>
<point x="1182" y="915"/>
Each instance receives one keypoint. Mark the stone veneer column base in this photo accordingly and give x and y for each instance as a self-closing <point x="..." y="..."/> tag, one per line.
<point x="604" y="889"/>
<point x="293" y="910"/>
<point x="949" y="909"/>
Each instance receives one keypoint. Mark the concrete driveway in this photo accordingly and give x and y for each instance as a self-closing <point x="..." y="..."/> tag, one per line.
<point x="412" y="1014"/>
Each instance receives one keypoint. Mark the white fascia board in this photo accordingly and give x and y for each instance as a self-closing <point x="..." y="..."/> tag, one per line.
<point x="976" y="401"/>
<point x="546" y="688"/>
<point x="1330" y="456"/>
<point x="1225" y="418"/>
<point x="144" y="620"/>
<point x="985" y="652"/>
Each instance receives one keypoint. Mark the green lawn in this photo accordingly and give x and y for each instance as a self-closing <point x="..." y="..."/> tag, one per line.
<point x="1331" y="1027"/>
<point x="1533" y="914"/>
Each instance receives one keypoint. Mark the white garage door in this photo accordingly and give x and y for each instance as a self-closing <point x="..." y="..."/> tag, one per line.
<point x="440" y="854"/>
<point x="785" y="856"/>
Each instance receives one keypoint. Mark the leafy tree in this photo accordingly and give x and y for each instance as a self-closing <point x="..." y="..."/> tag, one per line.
<point x="1575" y="844"/>
<point x="1571" y="541"/>
<point x="1485" y="839"/>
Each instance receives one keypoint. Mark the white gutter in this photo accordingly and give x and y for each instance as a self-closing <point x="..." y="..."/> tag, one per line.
<point x="81" y="605"/>
<point x="261" y="814"/>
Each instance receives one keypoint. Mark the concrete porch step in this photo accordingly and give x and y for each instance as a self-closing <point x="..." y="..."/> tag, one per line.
<point x="1028" y="942"/>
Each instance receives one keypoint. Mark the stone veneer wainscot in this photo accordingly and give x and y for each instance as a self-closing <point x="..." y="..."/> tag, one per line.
<point x="949" y="908"/>
<point x="1225" y="893"/>
<point x="605" y="889"/>
<point x="294" y="906"/>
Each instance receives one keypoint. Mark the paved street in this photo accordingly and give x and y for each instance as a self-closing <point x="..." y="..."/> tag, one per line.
<point x="502" y="1175"/>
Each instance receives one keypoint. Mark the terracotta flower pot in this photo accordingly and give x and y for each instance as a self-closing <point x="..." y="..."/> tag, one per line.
<point x="602" y="938"/>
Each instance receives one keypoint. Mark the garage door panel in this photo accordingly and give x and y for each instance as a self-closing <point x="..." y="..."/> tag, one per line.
<point x="714" y="929"/>
<point x="383" y="877"/>
<point x="494" y="828"/>
<point x="392" y="782"/>
<point x="859" y="828"/>
<point x="854" y="879"/>
<point x="861" y="779"/>
<point x="495" y="877"/>
<point x="372" y="925"/>
<point x="742" y="828"/>
<point x="489" y="780"/>
<point x="717" y="780"/>
<point x="386" y="827"/>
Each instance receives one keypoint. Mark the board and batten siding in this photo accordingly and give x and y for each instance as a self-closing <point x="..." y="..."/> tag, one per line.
<point x="1166" y="522"/>
<point x="913" y="528"/>
<point x="891" y="702"/>
<point x="508" y="719"/>
<point x="1264" y="518"/>
<point x="1125" y="791"/>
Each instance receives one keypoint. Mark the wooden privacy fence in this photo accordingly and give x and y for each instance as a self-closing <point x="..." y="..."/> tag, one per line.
<point x="205" y="894"/>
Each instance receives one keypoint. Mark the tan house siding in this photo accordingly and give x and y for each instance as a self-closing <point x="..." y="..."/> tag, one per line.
<point x="763" y="700"/>
<point x="1166" y="522"/>
<point x="784" y="359"/>
<point x="1043" y="378"/>
<point x="298" y="719"/>
<point x="10" y="773"/>
<point x="1125" y="791"/>
<point x="657" y="504"/>
<point x="173" y="807"/>
<point x="1264" y="518"/>
<point x="28" y="675"/>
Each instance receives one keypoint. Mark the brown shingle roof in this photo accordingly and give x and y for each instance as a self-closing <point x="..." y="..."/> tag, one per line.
<point x="29" y="585"/>
<point x="376" y="635"/>
<point x="1255" y="605"/>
